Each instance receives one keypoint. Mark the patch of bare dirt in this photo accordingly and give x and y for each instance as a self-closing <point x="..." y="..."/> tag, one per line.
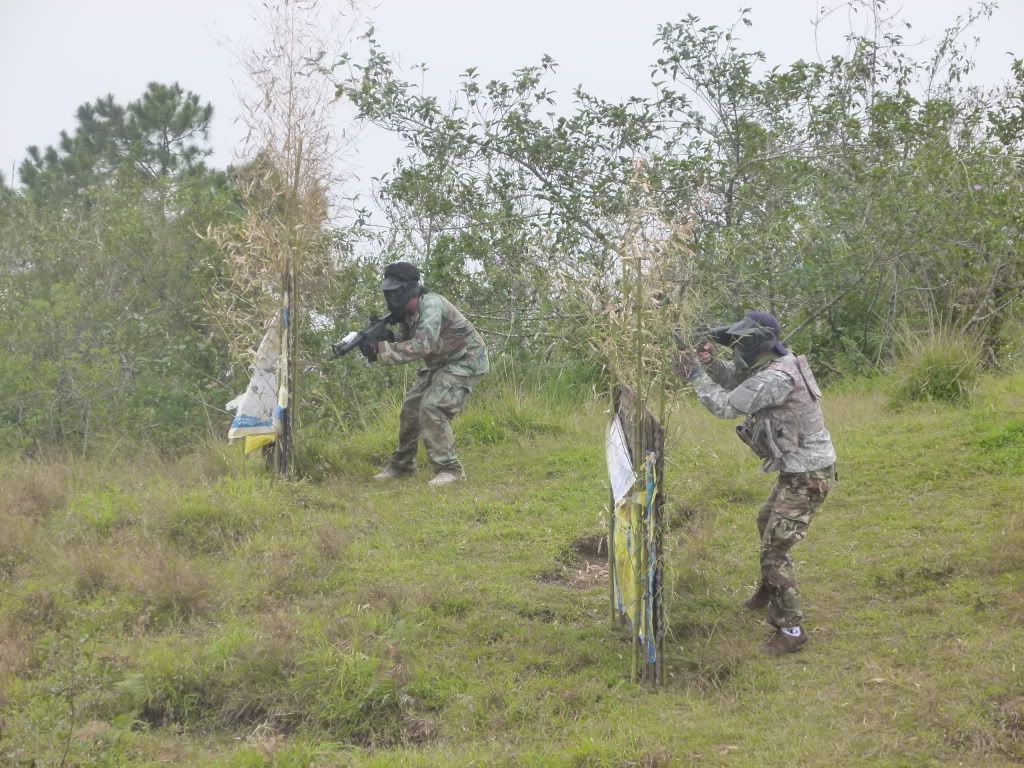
<point x="588" y="566"/>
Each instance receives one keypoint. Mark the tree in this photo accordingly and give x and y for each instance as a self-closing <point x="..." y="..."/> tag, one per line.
<point x="162" y="134"/>
<point x="105" y="329"/>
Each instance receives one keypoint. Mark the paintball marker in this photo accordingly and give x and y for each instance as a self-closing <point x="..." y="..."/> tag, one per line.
<point x="698" y="337"/>
<point x="375" y="330"/>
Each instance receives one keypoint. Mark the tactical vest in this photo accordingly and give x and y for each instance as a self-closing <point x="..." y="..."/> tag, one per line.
<point x="774" y="432"/>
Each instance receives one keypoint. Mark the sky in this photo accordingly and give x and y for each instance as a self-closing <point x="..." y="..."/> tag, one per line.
<point x="58" y="54"/>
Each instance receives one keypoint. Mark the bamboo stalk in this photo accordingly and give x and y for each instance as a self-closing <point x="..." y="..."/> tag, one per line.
<point x="640" y="529"/>
<point x="612" y="605"/>
<point x="293" y="316"/>
<point x="659" y="572"/>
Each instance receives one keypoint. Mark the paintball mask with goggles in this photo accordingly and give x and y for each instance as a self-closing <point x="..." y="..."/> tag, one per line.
<point x="401" y="284"/>
<point x="753" y="337"/>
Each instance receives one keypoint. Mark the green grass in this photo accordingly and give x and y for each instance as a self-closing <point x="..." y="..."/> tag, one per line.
<point x="196" y="613"/>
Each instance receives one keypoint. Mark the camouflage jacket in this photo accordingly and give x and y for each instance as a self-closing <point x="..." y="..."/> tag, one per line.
<point x="440" y="336"/>
<point x="781" y="404"/>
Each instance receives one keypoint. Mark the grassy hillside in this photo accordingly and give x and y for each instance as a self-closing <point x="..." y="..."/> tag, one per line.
<point x="196" y="613"/>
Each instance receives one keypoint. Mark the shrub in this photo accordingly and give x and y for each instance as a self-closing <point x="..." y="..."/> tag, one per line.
<point x="940" y="368"/>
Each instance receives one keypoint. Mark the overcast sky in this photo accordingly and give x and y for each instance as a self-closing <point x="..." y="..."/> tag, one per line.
<point x="57" y="54"/>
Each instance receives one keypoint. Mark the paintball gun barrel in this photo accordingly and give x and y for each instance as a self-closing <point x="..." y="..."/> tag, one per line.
<point x="692" y="338"/>
<point x="373" y="330"/>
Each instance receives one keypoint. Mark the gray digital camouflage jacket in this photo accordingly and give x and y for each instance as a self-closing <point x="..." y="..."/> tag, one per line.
<point x="780" y="402"/>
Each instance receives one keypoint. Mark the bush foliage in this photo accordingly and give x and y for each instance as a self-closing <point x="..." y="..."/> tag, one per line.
<point x="854" y="197"/>
<point x="941" y="368"/>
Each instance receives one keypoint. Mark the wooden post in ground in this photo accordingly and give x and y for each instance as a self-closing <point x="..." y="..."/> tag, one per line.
<point x="290" y="323"/>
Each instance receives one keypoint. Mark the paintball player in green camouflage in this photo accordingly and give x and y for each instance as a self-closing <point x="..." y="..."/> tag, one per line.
<point x="455" y="358"/>
<point x="775" y="393"/>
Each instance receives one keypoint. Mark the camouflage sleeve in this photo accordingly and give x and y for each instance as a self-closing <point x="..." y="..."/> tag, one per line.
<point x="762" y="390"/>
<point x="425" y="340"/>
<point x="723" y="373"/>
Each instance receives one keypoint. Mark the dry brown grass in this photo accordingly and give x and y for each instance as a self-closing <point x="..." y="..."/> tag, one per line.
<point x="14" y="653"/>
<point x="205" y="466"/>
<point x="845" y="410"/>
<point x="288" y="569"/>
<point x="35" y="489"/>
<point x="173" y="588"/>
<point x="16" y="543"/>
<point x="331" y="541"/>
<point x="92" y="570"/>
<point x="41" y="608"/>
<point x="390" y="598"/>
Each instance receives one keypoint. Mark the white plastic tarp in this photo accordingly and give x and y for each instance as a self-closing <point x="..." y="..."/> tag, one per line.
<point x="620" y="467"/>
<point x="254" y="408"/>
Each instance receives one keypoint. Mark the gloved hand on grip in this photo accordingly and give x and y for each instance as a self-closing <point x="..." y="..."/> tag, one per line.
<point x="379" y="333"/>
<point x="705" y="352"/>
<point x="368" y="349"/>
<point x="686" y="365"/>
<point x="368" y="346"/>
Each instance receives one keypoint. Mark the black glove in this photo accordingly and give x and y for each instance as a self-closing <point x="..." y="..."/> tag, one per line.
<point x="369" y="342"/>
<point x="382" y="334"/>
<point x="368" y="349"/>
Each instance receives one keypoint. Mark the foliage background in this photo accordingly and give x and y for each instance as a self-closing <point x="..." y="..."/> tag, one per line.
<point x="868" y="200"/>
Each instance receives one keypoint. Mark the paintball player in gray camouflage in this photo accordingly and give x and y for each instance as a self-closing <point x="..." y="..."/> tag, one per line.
<point x="775" y="393"/>
<point x="455" y="359"/>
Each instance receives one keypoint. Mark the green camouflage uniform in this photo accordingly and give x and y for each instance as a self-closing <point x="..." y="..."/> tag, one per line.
<point x="780" y="401"/>
<point x="455" y="359"/>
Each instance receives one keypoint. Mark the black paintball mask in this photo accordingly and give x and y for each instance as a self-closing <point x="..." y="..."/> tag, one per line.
<point x="751" y="339"/>
<point x="401" y="284"/>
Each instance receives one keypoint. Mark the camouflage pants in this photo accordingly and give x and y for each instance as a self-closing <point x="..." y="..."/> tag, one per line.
<point x="782" y="523"/>
<point x="434" y="399"/>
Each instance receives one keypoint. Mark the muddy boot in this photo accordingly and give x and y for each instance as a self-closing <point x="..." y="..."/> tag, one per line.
<point x="783" y="641"/>
<point x="390" y="473"/>
<point x="759" y="600"/>
<point x="447" y="477"/>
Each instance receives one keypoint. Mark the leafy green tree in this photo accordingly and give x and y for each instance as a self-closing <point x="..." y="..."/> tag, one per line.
<point x="854" y="197"/>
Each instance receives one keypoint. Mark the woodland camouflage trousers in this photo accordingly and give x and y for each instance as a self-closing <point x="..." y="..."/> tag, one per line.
<point x="434" y="399"/>
<point x="782" y="523"/>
